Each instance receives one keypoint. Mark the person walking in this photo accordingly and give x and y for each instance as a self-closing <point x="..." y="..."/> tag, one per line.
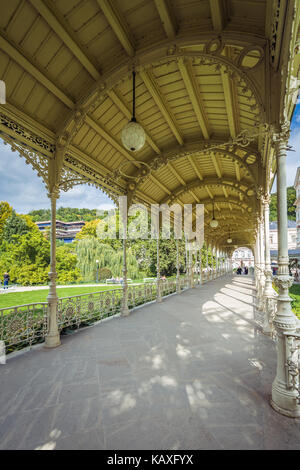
<point x="5" y="280"/>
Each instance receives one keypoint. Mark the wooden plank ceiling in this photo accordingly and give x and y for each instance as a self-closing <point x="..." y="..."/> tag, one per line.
<point x="62" y="57"/>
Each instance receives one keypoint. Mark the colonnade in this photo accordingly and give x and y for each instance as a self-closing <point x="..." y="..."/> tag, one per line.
<point x="278" y="318"/>
<point x="275" y="308"/>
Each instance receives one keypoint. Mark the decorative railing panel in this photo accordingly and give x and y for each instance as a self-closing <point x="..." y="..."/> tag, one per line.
<point x="168" y="287"/>
<point x="184" y="283"/>
<point x="141" y="293"/>
<point x="23" y="325"/>
<point x="88" y="308"/>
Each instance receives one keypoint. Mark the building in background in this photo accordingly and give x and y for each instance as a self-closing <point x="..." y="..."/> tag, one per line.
<point x="292" y="235"/>
<point x="65" y="231"/>
<point x="297" y="204"/>
<point x="242" y="256"/>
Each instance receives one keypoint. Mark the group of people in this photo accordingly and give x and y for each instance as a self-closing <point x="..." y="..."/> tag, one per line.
<point x="116" y="280"/>
<point x="241" y="270"/>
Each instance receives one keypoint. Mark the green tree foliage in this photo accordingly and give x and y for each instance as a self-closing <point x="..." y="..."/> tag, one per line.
<point x="25" y="253"/>
<point x="89" y="250"/>
<point x="65" y="214"/>
<point x="291" y="208"/>
<point x="104" y="273"/>
<point x="66" y="265"/>
<point x="14" y="227"/>
<point x="5" y="212"/>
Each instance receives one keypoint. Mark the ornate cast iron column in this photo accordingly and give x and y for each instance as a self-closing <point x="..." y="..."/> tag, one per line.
<point x="178" y="290"/>
<point x="52" y="338"/>
<point x="268" y="290"/>
<point x="158" y="295"/>
<point x="261" y="265"/>
<point x="285" y="393"/>
<point x="207" y="271"/>
<point x="124" y="309"/>
<point x="191" y="256"/>
<point x="200" y="266"/>
<point x="256" y="263"/>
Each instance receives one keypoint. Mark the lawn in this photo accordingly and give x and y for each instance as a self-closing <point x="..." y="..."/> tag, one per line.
<point x="20" y="298"/>
<point x="295" y="294"/>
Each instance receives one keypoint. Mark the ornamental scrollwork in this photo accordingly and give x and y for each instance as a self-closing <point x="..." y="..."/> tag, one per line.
<point x="87" y="175"/>
<point x="275" y="24"/>
<point x="37" y="161"/>
<point x="27" y="135"/>
<point x="283" y="281"/>
<point x="292" y="347"/>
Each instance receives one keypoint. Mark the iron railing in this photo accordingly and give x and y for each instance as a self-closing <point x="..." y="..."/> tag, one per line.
<point x="25" y="325"/>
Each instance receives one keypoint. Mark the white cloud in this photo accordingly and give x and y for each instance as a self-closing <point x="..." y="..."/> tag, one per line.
<point x="24" y="190"/>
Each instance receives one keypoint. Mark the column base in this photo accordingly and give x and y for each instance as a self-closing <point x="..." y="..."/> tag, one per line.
<point x="52" y="341"/>
<point x="159" y="300"/>
<point x="290" y="413"/>
<point x="125" y="312"/>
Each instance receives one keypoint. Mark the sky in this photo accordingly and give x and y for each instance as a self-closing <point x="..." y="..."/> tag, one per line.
<point x="24" y="190"/>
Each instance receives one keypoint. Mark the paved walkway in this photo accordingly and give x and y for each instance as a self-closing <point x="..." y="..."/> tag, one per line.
<point x="191" y="373"/>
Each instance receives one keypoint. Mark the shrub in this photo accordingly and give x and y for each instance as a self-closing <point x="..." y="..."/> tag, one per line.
<point x="104" y="273"/>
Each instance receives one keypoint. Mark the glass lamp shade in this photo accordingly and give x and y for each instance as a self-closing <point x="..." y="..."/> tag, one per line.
<point x="133" y="136"/>
<point x="214" y="223"/>
<point x="229" y="240"/>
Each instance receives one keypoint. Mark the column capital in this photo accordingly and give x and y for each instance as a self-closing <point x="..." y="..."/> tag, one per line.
<point x="54" y="192"/>
<point x="282" y="134"/>
<point x="283" y="281"/>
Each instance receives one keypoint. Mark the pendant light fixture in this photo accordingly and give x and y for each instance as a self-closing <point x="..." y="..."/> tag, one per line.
<point x="229" y="239"/>
<point x="133" y="135"/>
<point x="214" y="223"/>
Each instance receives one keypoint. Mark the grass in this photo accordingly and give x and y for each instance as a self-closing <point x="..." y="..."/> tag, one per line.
<point x="12" y="299"/>
<point x="295" y="295"/>
<point x="294" y="292"/>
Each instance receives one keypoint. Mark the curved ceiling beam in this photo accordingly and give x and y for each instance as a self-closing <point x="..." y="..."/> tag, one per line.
<point x="249" y="209"/>
<point x="188" y="150"/>
<point x="208" y="182"/>
<point x="164" y="52"/>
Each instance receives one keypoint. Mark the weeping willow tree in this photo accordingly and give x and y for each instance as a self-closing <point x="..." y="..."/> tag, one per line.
<point x="89" y="250"/>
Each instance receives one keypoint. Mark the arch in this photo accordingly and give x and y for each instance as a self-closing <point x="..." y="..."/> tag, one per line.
<point x="165" y="52"/>
<point x="210" y="182"/>
<point x="189" y="149"/>
<point x="235" y="202"/>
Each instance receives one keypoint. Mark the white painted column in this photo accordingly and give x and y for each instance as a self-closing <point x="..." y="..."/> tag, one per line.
<point x="262" y="264"/>
<point x="124" y="309"/>
<point x="158" y="280"/>
<point x="192" y="268"/>
<point x="207" y="271"/>
<point x="200" y="266"/>
<point x="52" y="338"/>
<point x="256" y="263"/>
<point x="268" y="290"/>
<point x="284" y="395"/>
<point x="178" y="289"/>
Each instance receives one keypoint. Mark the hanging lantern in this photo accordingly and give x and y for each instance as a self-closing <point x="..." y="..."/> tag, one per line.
<point x="133" y="135"/>
<point x="229" y="239"/>
<point x="214" y="223"/>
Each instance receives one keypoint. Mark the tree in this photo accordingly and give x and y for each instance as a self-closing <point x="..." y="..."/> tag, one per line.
<point x="89" y="250"/>
<point x="14" y="227"/>
<point x="291" y="208"/>
<point x="5" y="213"/>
